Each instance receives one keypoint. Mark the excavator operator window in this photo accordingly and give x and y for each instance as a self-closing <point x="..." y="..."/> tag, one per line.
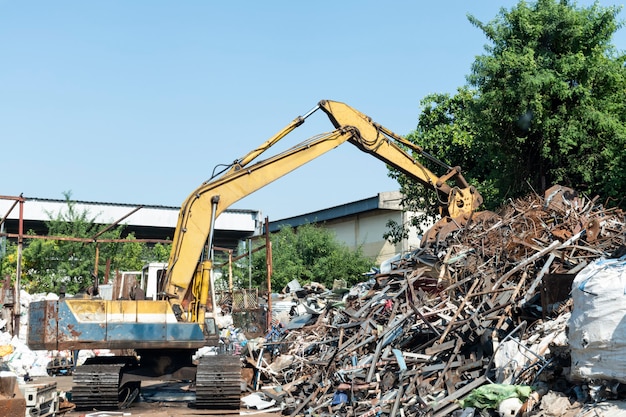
<point x="210" y="327"/>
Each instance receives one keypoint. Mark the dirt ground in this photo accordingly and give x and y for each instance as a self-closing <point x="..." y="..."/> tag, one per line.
<point x="158" y="399"/>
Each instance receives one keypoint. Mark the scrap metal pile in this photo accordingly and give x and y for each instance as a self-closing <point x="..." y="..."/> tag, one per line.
<point x="416" y="340"/>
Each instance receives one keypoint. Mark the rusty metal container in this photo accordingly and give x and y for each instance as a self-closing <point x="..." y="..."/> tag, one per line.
<point x="12" y="402"/>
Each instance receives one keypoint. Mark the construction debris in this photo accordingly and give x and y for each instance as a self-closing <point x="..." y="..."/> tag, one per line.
<point x="490" y="304"/>
<point x="12" y="402"/>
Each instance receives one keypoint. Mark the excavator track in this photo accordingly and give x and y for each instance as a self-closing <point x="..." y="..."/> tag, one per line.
<point x="97" y="387"/>
<point x="218" y="383"/>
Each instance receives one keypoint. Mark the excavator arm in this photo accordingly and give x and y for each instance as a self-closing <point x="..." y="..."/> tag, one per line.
<point x="166" y="333"/>
<point x="188" y="276"/>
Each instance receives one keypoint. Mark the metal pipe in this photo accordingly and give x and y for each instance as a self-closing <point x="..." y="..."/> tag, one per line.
<point x="214" y="201"/>
<point x="18" y="272"/>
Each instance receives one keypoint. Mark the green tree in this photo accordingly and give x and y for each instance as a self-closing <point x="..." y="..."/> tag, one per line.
<point x="159" y="252"/>
<point x="131" y="255"/>
<point x="8" y="258"/>
<point x="66" y="261"/>
<point x="545" y="104"/>
<point x="309" y="254"/>
<point x="69" y="260"/>
<point x="447" y="130"/>
<point x="552" y="96"/>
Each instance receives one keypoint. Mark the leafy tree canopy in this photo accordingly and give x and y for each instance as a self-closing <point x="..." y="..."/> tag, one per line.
<point x="312" y="254"/>
<point x="545" y="104"/>
<point x="69" y="260"/>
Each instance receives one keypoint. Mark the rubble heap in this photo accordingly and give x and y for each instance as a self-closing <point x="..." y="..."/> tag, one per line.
<point x="487" y="304"/>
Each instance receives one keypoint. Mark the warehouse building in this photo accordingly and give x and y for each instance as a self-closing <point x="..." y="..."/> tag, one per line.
<point x="360" y="223"/>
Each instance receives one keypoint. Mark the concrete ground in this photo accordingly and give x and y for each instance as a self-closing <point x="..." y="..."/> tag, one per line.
<point x="158" y="399"/>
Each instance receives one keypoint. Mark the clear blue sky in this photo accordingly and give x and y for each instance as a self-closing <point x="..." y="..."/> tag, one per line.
<point x="137" y="101"/>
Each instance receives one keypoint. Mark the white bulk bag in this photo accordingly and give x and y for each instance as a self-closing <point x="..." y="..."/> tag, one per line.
<point x="597" y="328"/>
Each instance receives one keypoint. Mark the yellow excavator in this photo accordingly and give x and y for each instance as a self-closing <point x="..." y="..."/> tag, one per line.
<point x="164" y="335"/>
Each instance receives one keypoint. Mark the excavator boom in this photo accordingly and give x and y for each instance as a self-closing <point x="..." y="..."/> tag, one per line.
<point x="247" y="175"/>
<point x="166" y="333"/>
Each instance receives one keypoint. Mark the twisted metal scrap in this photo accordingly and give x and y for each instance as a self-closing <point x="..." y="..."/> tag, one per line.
<point x="418" y="337"/>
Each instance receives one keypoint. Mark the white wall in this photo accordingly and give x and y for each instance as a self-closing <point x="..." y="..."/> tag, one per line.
<point x="366" y="230"/>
